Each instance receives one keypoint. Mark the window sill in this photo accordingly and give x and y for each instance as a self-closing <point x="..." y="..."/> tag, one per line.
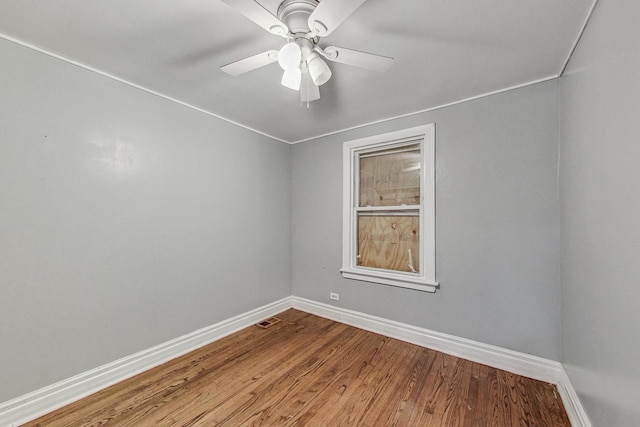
<point x="418" y="284"/>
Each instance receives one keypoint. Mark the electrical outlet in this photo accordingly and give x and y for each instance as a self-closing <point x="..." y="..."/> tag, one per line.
<point x="334" y="296"/>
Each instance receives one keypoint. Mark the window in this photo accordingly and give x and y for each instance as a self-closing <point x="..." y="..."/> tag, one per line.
<point x="389" y="209"/>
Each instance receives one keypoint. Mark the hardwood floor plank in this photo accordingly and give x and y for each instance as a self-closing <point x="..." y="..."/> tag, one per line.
<point x="473" y="395"/>
<point x="373" y="376"/>
<point x="335" y="377"/>
<point x="162" y="383"/>
<point x="324" y="398"/>
<point x="428" y="386"/>
<point x="311" y="371"/>
<point x="220" y="389"/>
<point x="262" y="401"/>
<point x="432" y="398"/>
<point x="394" y="385"/>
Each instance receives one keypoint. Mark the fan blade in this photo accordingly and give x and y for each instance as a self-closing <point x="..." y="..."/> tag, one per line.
<point x="330" y="13"/>
<point x="258" y="14"/>
<point x="251" y="63"/>
<point x="356" y="58"/>
<point x="308" y="90"/>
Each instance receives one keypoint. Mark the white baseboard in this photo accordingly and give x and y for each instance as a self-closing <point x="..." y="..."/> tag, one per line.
<point x="497" y="357"/>
<point x="572" y="404"/>
<point x="33" y="405"/>
<point x="50" y="398"/>
<point x="508" y="360"/>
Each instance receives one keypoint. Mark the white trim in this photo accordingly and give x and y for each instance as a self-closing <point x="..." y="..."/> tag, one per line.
<point x="128" y="83"/>
<point x="426" y="110"/>
<point x="425" y="279"/>
<point x="497" y="357"/>
<point x="578" y="38"/>
<point x="402" y="282"/>
<point x="209" y="113"/>
<point x="102" y="73"/>
<point x="33" y="405"/>
<point x="572" y="404"/>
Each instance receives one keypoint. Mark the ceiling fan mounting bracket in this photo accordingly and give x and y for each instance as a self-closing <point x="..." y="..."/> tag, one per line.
<point x="295" y="14"/>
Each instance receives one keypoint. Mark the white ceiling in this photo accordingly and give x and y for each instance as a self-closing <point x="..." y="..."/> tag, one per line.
<point x="445" y="51"/>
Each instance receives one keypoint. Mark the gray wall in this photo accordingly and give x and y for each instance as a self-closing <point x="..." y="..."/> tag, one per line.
<point x="497" y="224"/>
<point x="600" y="215"/>
<point x="125" y="220"/>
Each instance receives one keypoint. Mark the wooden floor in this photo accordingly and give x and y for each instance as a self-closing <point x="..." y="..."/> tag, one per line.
<point x="311" y="371"/>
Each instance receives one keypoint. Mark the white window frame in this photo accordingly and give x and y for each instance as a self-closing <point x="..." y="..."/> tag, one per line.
<point x="425" y="280"/>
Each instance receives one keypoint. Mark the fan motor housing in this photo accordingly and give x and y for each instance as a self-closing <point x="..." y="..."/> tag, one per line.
<point x="295" y="13"/>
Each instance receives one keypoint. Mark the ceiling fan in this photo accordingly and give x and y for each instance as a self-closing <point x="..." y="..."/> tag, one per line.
<point x="302" y="23"/>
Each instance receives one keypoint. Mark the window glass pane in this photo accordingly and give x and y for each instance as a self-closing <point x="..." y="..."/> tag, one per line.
<point x="389" y="241"/>
<point x="390" y="177"/>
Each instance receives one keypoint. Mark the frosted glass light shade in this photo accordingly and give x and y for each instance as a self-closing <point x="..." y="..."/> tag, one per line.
<point x="289" y="56"/>
<point x="292" y="79"/>
<point x="318" y="69"/>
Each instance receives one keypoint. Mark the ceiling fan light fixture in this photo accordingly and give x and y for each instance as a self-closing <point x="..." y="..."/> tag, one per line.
<point x="318" y="69"/>
<point x="289" y="56"/>
<point x="302" y="23"/>
<point x="292" y="79"/>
